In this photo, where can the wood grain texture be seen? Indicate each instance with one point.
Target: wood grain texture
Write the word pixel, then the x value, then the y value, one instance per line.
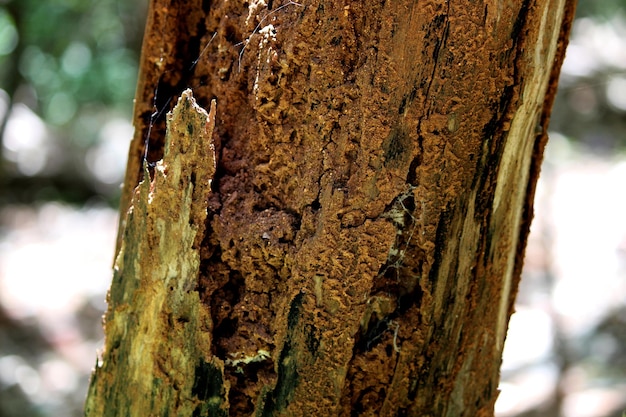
pixel 157 330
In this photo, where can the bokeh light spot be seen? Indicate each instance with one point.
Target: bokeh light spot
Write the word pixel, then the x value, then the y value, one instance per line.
pixel 76 59
pixel 61 108
pixel 8 33
pixel 616 92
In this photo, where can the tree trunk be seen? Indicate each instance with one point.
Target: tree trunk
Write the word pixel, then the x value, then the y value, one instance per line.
pixel 343 233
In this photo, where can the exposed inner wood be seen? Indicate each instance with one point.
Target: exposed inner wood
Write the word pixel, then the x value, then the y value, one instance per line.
pixel 375 171
pixel 158 333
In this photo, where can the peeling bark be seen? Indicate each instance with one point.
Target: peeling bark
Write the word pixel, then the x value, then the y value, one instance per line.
pixel 359 248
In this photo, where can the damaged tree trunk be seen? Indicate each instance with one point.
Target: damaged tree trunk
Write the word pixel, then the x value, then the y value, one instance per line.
pixel 342 234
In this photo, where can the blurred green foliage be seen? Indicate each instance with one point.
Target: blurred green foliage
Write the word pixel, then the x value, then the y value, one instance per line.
pixel 74 63
pixel 599 9
pixel 73 53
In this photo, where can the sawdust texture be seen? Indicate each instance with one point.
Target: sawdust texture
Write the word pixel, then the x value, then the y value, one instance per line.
pixel 353 259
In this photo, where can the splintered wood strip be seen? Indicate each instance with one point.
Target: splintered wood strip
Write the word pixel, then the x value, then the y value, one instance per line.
pixel 157 331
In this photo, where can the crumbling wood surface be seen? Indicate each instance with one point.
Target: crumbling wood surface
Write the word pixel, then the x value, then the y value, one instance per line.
pixel 358 247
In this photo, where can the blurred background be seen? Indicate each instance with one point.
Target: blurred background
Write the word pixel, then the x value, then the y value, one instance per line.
pixel 68 70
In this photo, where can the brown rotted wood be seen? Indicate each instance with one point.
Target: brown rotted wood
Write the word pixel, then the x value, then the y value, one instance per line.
pixel 376 164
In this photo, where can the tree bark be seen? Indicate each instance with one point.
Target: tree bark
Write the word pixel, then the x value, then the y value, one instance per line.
pixel 343 233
